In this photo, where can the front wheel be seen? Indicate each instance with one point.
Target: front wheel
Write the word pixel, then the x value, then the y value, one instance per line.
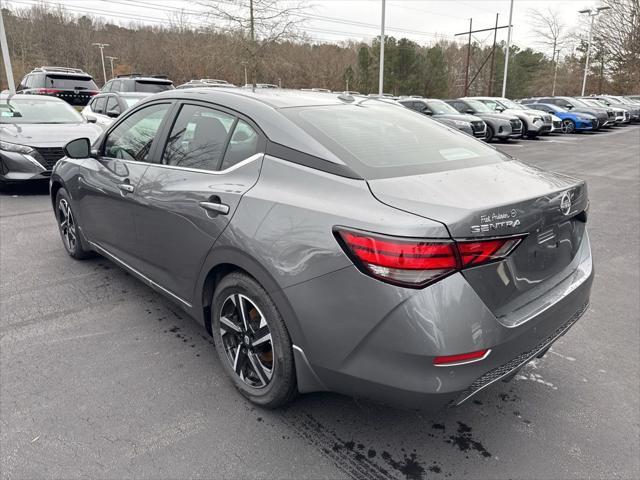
pixel 252 341
pixel 568 126
pixel 488 134
pixel 68 227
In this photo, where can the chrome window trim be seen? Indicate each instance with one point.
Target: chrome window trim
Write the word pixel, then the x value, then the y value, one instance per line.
pixel 139 274
pixel 238 165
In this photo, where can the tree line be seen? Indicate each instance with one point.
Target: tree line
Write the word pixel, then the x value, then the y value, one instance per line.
pixel 41 35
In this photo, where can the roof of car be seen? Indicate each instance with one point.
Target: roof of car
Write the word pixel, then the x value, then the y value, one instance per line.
pixel 273 97
pixel 14 96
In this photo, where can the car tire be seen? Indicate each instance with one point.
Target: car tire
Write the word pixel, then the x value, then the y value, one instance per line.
pixel 70 232
pixel 489 134
pixel 252 341
pixel 568 126
pixel 531 135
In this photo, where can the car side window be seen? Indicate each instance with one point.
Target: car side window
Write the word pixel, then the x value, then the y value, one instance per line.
pixel 243 144
pixel 107 86
pixel 112 105
pixel 99 104
pixel 133 137
pixel 198 138
pixel 490 103
pixel 115 85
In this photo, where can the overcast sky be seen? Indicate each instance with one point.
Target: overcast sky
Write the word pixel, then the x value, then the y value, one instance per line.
pixel 420 20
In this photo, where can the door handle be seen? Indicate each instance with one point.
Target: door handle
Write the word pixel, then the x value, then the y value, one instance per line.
pixel 215 207
pixel 126 187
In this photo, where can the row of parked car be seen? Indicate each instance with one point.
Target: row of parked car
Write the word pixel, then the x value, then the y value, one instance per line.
pixel 70 104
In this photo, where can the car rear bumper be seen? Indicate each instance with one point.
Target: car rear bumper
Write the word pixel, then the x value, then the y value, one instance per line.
pixel 383 348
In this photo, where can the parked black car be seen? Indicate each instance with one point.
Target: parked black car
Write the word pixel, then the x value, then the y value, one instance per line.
pixel 499 125
pixel 72 85
pixel 440 110
pixel 136 82
pixel 606 117
pixel 621 103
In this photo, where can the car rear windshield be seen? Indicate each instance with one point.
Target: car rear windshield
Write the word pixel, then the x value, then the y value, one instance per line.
pixel 148 86
pixel 33 110
pixel 379 140
pixel 65 82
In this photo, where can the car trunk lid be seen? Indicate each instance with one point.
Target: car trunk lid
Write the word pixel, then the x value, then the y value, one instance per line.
pixel 502 199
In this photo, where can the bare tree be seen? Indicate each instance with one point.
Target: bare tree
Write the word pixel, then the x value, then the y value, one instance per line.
pixel 618 28
pixel 258 23
pixel 549 30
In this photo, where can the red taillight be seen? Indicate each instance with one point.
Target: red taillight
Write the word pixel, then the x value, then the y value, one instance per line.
pixel 477 252
pixel 48 91
pixel 417 262
pixel 461 358
pixel 91 93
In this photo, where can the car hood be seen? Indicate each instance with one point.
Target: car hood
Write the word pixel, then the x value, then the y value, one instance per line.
pixel 596 112
pixel 47 135
pixel 496 116
pixel 462 116
pixel 528 113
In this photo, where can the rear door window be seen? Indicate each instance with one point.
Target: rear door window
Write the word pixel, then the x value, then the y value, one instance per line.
pixel 132 138
pixel 112 105
pixel 244 143
pixel 198 138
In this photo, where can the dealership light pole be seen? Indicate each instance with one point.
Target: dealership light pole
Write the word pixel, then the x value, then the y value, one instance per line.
pixel 5 55
pixel 381 76
pixel 101 47
pixel 506 55
pixel 593 14
pixel 111 59
pixel 555 72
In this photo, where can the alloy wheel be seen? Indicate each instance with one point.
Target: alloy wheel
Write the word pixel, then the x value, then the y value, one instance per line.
pixel 67 225
pixel 247 341
pixel 567 126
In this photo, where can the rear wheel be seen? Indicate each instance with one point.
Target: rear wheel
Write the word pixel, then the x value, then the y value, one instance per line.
pixel 252 341
pixel 68 227
pixel 568 126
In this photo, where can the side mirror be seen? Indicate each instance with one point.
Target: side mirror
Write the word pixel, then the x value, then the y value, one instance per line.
pixel 78 148
pixel 568 106
pixel 499 108
pixel 469 111
pixel 426 111
pixel 113 113
pixel 91 119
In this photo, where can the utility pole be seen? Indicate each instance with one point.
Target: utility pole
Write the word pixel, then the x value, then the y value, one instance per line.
pixel 101 47
pixel 555 73
pixel 381 75
pixel 493 57
pixel 252 36
pixel 467 82
pixel 5 55
pixel 506 55
pixel 466 74
pixel 593 14
pixel 111 59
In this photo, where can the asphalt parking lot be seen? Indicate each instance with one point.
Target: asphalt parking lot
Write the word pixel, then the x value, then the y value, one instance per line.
pixel 101 377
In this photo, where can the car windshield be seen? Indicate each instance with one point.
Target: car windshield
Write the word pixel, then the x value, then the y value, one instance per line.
pixel 66 82
pixel 439 107
pixel 579 103
pixel 478 106
pixel 510 104
pixel 378 140
pixel 131 101
pixel 28 109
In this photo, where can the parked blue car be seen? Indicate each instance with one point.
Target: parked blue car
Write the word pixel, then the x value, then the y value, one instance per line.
pixel 571 121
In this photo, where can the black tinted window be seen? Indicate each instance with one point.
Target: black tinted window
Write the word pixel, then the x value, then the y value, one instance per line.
pixel 152 87
pixel 243 144
pixel 198 138
pixel 65 82
pixel 132 139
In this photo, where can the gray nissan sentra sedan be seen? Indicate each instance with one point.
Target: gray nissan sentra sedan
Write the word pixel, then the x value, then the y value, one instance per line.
pixel 329 242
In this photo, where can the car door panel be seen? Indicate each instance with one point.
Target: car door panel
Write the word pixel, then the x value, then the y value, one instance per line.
pixel 176 232
pixel 108 188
